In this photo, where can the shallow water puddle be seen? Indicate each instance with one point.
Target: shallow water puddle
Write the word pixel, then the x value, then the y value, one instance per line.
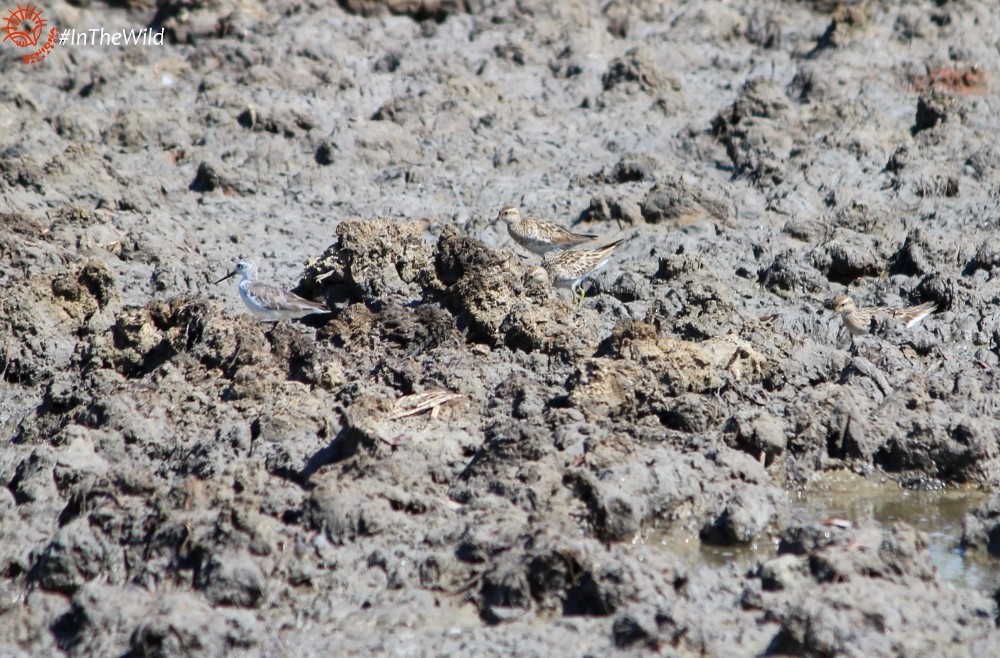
pixel 859 500
pixel 938 513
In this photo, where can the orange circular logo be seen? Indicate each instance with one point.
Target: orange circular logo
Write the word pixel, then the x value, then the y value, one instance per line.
pixel 24 26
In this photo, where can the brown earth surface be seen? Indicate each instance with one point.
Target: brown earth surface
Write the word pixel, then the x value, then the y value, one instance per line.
pixel 457 460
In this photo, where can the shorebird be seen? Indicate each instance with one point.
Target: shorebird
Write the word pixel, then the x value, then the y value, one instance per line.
pixel 268 302
pixel 569 269
pixel 538 235
pixel 859 320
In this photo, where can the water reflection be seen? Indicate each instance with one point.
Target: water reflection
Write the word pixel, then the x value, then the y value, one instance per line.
pixel 938 513
pixel 862 500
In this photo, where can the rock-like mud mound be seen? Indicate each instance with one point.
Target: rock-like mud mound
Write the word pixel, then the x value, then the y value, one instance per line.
pixel 457 459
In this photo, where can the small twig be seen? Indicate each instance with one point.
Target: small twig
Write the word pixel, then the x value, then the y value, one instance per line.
pixel 411 405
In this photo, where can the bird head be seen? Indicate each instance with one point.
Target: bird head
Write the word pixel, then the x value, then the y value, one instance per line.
pixel 508 214
pixel 843 304
pixel 245 268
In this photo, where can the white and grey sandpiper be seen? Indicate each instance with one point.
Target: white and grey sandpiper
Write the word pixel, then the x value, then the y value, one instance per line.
pixel 538 235
pixel 569 269
pixel 858 320
pixel 268 302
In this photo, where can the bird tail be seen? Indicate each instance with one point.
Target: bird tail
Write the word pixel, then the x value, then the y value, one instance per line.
pixel 915 314
pixel 610 246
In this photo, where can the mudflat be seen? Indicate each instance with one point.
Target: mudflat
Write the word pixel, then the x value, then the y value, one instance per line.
pixel 457 459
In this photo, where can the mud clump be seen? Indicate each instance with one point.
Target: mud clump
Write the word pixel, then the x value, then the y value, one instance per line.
pixel 871 565
pixel 88 288
pixel 981 527
pixel 635 71
pixel 378 261
pixel 480 282
pixel 750 132
pixel 436 10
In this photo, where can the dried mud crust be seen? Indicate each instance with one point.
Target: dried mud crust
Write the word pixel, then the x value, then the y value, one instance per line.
pixel 185 445
pixel 457 459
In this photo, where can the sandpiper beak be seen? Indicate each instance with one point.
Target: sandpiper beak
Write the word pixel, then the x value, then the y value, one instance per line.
pixel 231 274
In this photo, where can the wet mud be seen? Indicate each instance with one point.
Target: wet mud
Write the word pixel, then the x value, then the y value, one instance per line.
pixel 457 459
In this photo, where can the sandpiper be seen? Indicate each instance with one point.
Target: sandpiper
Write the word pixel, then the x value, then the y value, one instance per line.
pixel 538 235
pixel 267 302
pixel 569 269
pixel 858 320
